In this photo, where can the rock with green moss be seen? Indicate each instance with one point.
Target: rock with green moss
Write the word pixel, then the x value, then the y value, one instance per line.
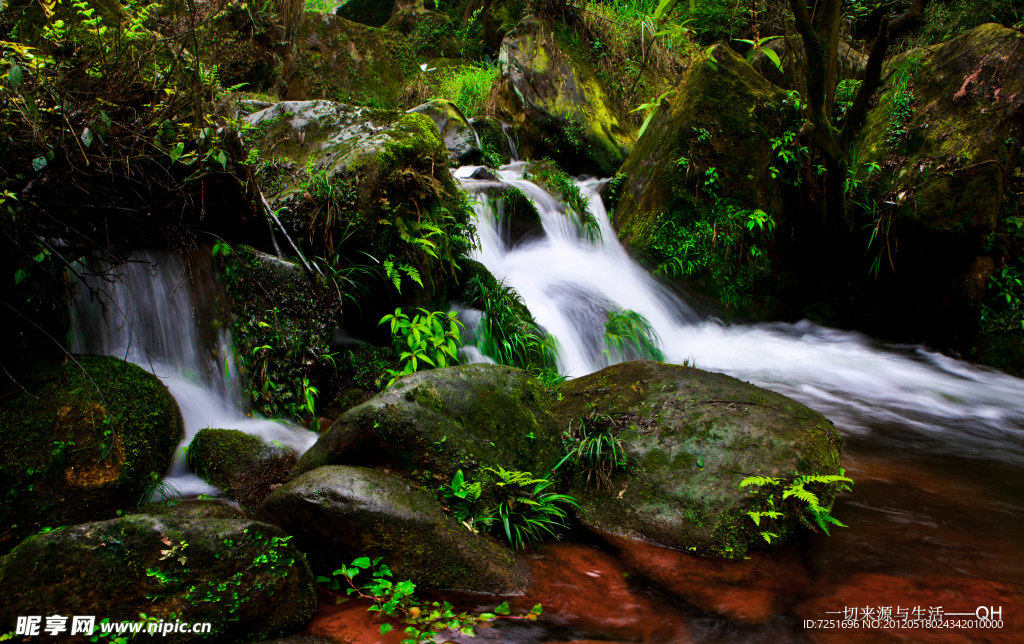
pixel 723 117
pixel 690 438
pixel 351 182
pixel 458 135
pixel 338 513
pixel 281 324
pixel 341 60
pixel 368 12
pixel 241 465
pixel 432 34
pixel 243 577
pixel 945 136
pixel 557 103
pixel 81 440
pixel 434 423
pixel 194 509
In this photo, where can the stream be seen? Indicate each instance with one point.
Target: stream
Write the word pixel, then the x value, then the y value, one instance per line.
pixel 935 446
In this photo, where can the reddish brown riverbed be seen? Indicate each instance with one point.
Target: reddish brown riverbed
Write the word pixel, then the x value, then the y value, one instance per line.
pixel 932 532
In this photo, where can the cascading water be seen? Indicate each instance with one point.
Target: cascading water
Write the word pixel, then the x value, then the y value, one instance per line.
pixel 146 313
pixel 570 283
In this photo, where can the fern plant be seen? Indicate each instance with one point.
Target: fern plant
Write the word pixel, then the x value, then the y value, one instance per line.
pixel 527 511
pixel 797 490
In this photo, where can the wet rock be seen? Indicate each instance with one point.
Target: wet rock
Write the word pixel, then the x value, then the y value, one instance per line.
pixel 368 12
pixel 443 420
pixel 722 118
pixel 493 141
pixel 242 466
pixel 338 513
pixel 82 439
pixel 558 105
pixel 194 509
pixel 243 577
pixel 458 135
pixel 691 436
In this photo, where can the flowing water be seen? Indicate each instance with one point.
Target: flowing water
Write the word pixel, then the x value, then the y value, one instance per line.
pixel 935 445
pixel 148 313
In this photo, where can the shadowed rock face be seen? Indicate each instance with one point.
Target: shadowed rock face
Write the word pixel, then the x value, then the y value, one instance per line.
pixel 691 437
pixel 339 513
pixel 368 12
pixel 243 577
pixel 558 104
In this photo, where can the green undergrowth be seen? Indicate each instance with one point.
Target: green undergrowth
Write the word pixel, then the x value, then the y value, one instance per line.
pixel 810 497
pixel 466 85
pixel 549 176
pixel 508 334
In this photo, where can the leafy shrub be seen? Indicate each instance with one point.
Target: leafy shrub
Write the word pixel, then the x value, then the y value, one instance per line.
pixel 629 336
pixel 432 338
pixel 526 511
pixel 780 495
pixel 508 333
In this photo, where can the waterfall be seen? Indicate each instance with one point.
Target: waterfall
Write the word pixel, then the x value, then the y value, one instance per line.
pixel 156 312
pixel 894 396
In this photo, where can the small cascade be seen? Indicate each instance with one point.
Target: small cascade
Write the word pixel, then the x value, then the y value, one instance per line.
pixel 148 312
pixel 505 127
pixel 570 283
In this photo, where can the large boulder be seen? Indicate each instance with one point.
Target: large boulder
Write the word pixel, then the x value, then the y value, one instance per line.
pixel 281 326
pixel 241 465
pixel 338 513
pixel 81 440
pixel 690 438
pixel 437 422
pixel 243 577
pixel 349 180
pixel 368 12
pixel 458 134
pixel 341 60
pixel 557 103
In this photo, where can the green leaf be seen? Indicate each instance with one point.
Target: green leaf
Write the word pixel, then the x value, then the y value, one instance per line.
pixel 772 56
pixel 14 76
pixel 362 562
pixel 177 151
pixel 386 628
pixel 38 163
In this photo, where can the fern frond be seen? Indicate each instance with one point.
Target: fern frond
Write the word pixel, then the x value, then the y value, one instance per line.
pixel 758 480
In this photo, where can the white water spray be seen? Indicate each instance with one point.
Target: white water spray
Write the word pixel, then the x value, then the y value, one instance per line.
pixel 569 283
pixel 146 314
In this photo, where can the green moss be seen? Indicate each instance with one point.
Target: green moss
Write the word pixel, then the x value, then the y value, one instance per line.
pixel 79 446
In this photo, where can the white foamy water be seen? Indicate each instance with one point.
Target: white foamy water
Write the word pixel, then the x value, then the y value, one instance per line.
pixel 147 315
pixel 900 396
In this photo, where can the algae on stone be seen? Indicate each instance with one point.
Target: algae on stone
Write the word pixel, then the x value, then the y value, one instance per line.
pixel 691 437
pixel 241 465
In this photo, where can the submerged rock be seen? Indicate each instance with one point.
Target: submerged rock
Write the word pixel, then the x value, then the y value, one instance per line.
pixel 691 437
pixel 558 104
pixel 458 135
pixel 81 440
pixel 338 513
pixel 444 420
pixel 243 577
pixel 241 465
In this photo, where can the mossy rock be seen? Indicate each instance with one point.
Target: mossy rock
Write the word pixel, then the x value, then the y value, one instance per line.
pixel 194 509
pixel 492 137
pixel 340 60
pixel 431 424
pixel 459 137
pixel 431 34
pixel 243 577
pixel 950 169
pixel 517 217
pixel 557 103
pixel 80 446
pixel 241 465
pixel 739 111
pixel 281 328
pixel 691 437
pixel 338 513
pixel 351 180
pixel 368 12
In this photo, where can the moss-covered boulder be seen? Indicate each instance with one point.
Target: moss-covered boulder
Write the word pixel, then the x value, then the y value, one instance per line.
pixel 458 135
pixel 338 513
pixel 690 438
pixel 723 117
pixel 557 103
pixel 368 12
pixel 433 423
pixel 350 180
pixel 281 324
pixel 341 60
pixel 946 134
pixel 80 440
pixel 241 465
pixel 243 577
pixel 194 509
